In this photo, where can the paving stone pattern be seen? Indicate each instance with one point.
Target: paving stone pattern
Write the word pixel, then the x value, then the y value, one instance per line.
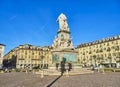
pixel 90 80
pixel 86 80
pixel 24 80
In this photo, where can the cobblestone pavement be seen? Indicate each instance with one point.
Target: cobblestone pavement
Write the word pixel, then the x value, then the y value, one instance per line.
pixel 33 80
pixel 90 80
pixel 24 80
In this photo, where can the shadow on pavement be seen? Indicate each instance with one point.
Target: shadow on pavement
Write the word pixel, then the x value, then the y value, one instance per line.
pixel 49 85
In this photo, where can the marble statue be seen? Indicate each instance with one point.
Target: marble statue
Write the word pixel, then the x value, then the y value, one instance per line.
pixel 62 22
pixel 63 40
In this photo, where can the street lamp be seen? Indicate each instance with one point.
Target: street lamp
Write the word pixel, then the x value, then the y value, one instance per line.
pixel 30 64
pixel 42 67
pixel 110 60
pixel 41 60
pixel 94 57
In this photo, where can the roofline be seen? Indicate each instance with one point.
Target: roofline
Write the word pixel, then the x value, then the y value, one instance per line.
pixel 2 44
pixel 99 41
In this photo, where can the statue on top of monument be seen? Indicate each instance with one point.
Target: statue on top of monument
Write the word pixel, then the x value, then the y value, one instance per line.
pixel 62 19
pixel 63 40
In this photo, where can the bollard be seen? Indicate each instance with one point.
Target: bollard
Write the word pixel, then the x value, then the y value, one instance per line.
pixel 42 74
pixel 33 71
pixel 114 70
pixel 67 73
pixel 103 72
pixel 26 71
pixel 98 69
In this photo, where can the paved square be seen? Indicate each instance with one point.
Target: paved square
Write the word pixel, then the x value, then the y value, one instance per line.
pixel 90 80
pixel 24 80
pixel 33 80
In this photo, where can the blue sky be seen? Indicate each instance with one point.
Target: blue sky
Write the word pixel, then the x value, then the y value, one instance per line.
pixel 34 21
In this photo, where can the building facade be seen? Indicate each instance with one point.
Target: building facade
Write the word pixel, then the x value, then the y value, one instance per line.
pixel 28 56
pixel 1 54
pixel 106 51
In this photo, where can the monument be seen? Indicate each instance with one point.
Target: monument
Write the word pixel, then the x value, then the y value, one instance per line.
pixel 62 45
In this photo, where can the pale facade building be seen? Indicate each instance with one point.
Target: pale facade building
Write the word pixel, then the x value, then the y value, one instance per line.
pixel 28 55
pixel 1 54
pixel 106 51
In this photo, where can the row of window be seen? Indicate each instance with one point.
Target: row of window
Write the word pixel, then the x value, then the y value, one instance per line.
pixel 116 48
pixel 25 56
pixel 104 44
pixel 104 55
pixel 32 52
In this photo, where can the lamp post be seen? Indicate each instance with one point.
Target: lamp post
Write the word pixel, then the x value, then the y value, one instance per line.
pixel 42 67
pixel 30 64
pixel 110 60
pixel 94 57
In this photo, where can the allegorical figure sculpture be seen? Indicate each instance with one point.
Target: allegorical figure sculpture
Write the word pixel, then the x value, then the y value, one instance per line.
pixel 62 20
pixel 63 40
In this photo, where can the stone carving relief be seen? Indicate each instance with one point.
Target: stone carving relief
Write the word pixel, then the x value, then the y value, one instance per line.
pixel 64 44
